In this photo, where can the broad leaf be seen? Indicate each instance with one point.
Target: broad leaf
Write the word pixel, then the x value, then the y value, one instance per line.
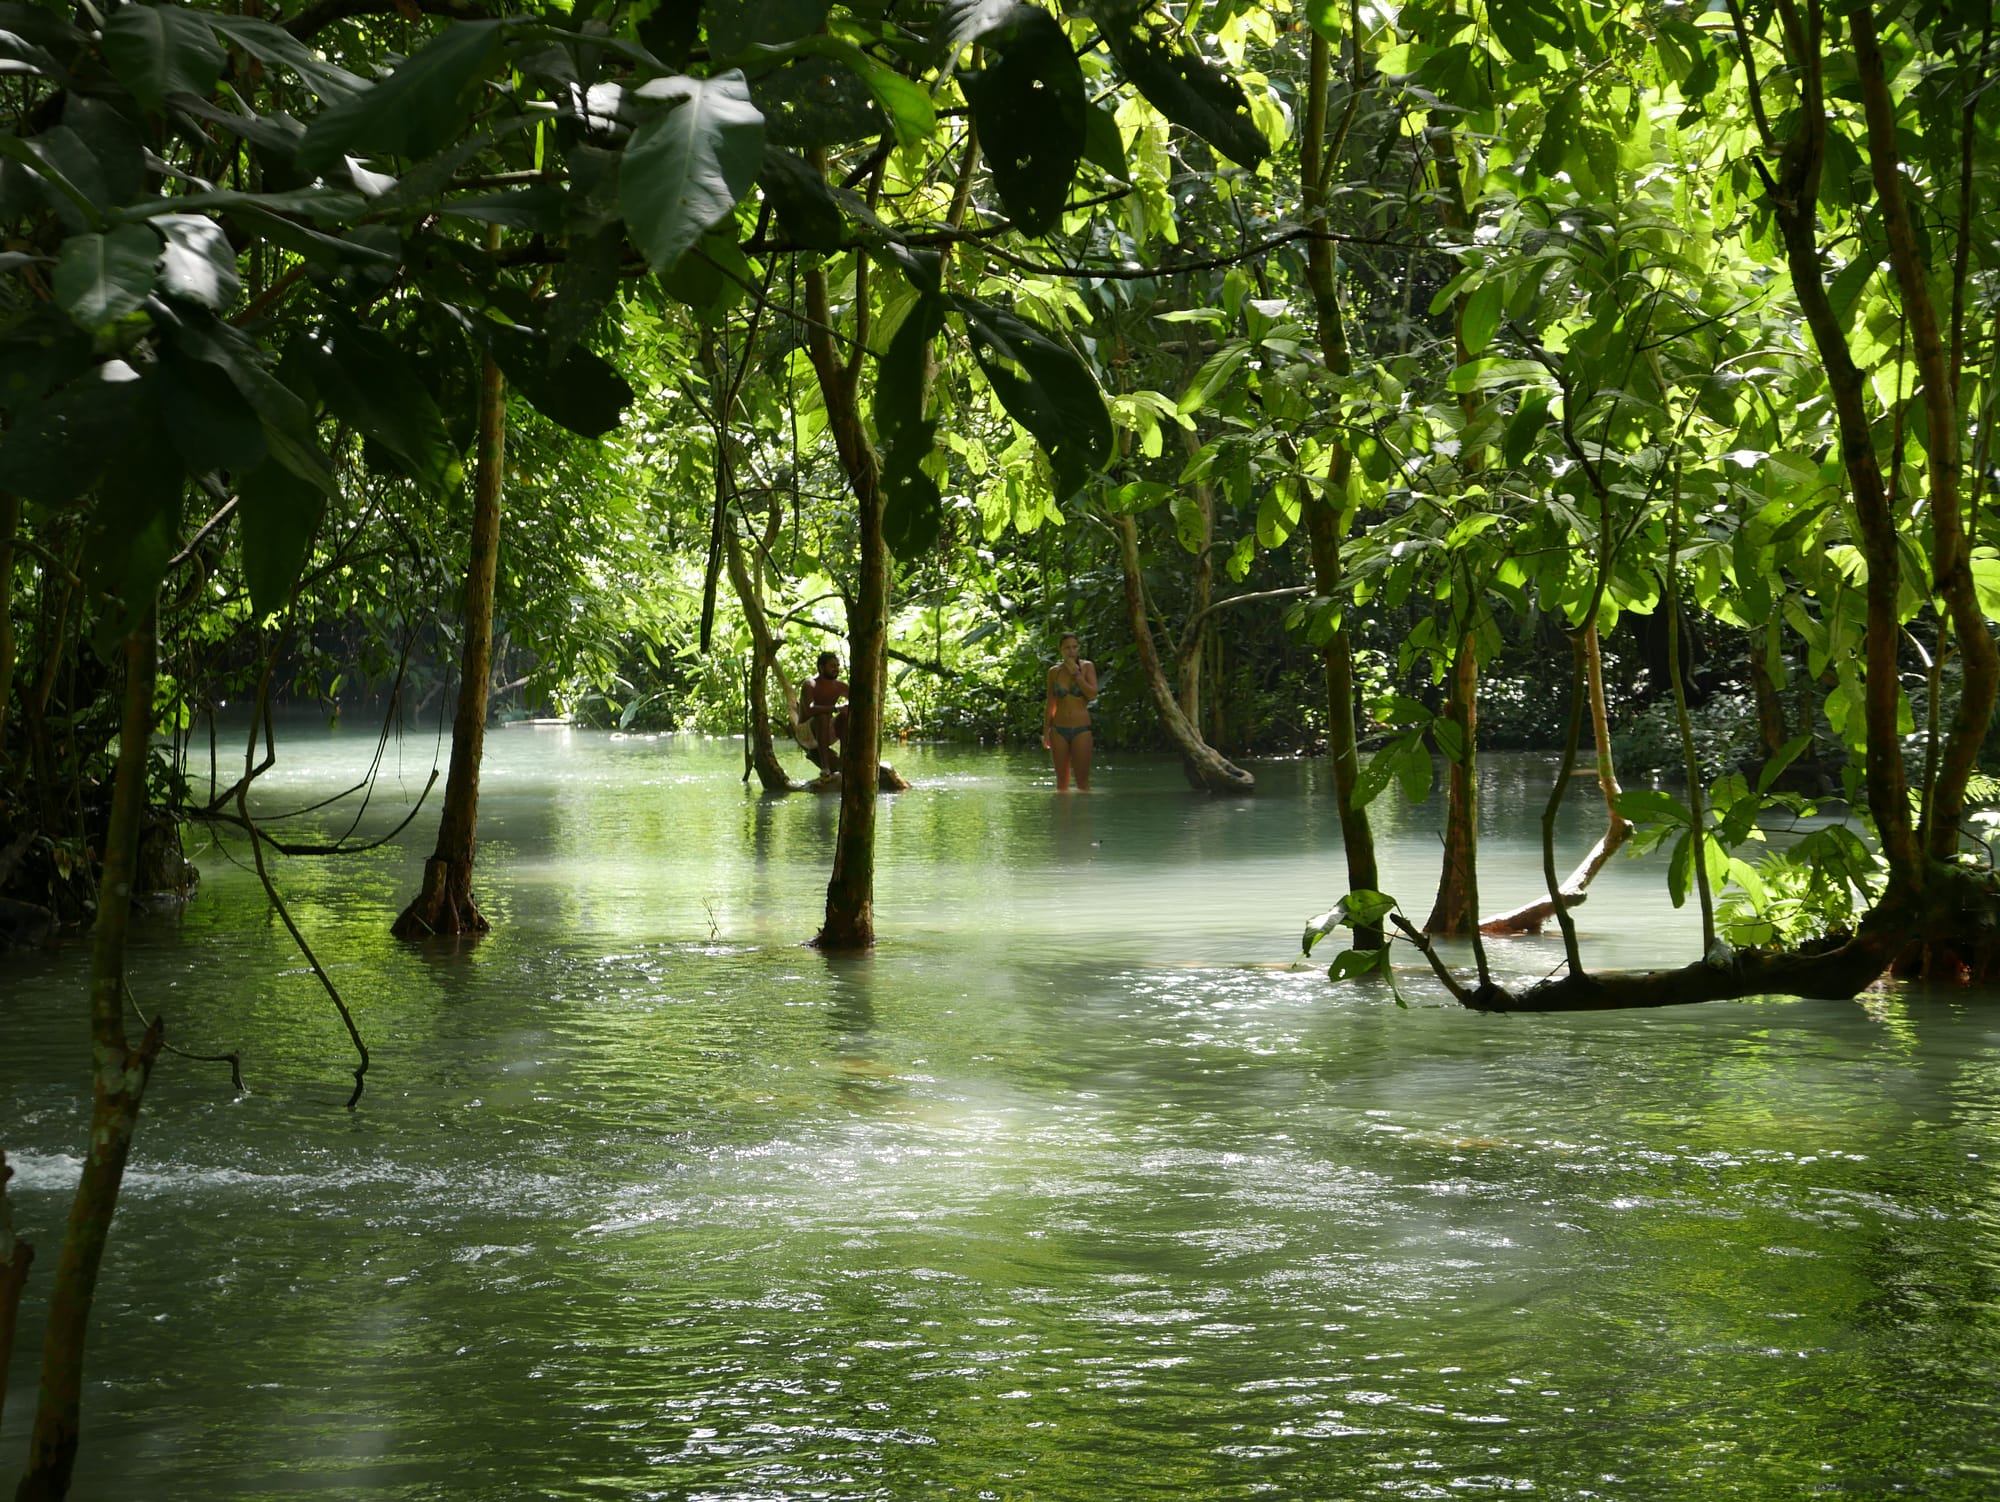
pixel 56 448
pixel 807 211
pixel 1353 963
pixel 288 423
pixel 211 424
pixel 366 380
pixel 275 47
pixel 912 508
pixel 1481 318
pixel 281 515
pixel 418 109
pixel 1185 87
pixel 736 24
pixel 685 169
pixel 199 263
pixel 1045 388
pixel 1029 106
pixel 137 523
pixel 158 51
pixel 100 279
pixel 1649 806
pixel 581 391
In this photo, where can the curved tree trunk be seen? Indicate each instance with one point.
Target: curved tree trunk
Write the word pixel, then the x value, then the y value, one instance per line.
pixel 1325 511
pixel 763 658
pixel 850 892
pixel 118 1083
pixel 1528 919
pixel 445 904
pixel 1207 770
pixel 1456 910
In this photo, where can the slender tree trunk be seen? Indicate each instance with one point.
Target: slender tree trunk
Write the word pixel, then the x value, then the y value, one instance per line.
pixel 1326 512
pixel 15 1257
pixel 850 893
pixel 1530 917
pixel 1456 910
pixel 1194 637
pixel 118 1077
pixel 1206 769
pixel 1771 732
pixel 445 905
pixel 10 523
pixel 763 656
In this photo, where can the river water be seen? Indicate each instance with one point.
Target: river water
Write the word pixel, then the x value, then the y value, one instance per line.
pixel 1072 1188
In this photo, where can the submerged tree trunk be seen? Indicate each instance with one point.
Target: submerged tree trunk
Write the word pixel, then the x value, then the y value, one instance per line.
pixel 445 904
pixel 1326 511
pixel 1207 770
pixel 850 893
pixel 1530 917
pixel 763 657
pixel 118 1077
pixel 1456 910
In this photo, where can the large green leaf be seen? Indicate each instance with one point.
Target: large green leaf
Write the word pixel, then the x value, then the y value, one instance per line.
pixel 1185 87
pixel 57 447
pixel 199 264
pixel 158 51
pixel 685 169
pixel 281 515
pixel 416 110
pixel 581 391
pixel 1029 106
pixel 275 47
pixel 136 525
pixel 100 279
pixel 1045 388
pixel 212 426
pixel 807 211
pixel 287 421
pixel 912 508
pixel 366 381
pixel 711 279
pixel 736 24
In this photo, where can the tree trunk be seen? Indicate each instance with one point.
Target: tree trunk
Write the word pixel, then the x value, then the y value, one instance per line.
pixel 1771 732
pixel 1529 918
pixel 1206 769
pixel 1194 636
pixel 119 1074
pixel 445 904
pixel 850 893
pixel 15 1257
pixel 10 523
pixel 763 657
pixel 1456 910
pixel 1325 512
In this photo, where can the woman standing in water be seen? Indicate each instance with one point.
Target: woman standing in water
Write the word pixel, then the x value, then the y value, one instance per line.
pixel 1066 715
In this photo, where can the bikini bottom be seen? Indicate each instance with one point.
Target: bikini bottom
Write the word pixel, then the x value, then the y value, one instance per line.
pixel 1070 732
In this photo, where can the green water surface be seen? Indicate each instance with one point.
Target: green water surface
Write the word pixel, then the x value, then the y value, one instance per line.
pixel 1071 1190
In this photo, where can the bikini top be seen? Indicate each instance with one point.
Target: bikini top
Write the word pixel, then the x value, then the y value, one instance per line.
pixel 1060 689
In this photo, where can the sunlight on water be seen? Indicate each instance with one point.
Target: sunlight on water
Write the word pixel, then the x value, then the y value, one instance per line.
pixel 1077 1185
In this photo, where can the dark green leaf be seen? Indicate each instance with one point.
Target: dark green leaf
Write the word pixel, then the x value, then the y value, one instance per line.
pixel 912 509
pixel 711 279
pixel 1680 866
pixel 962 21
pixel 538 209
pixel 100 279
pixel 1186 88
pixel 277 48
pixel 114 144
pixel 1028 103
pixel 669 31
pixel 158 51
pixel 288 423
pixel 1351 964
pixel 581 391
pixel 685 169
pixel 41 352
pixel 1775 767
pixel 418 109
pixel 1104 142
pixel 212 426
pixel 1525 428
pixel 1045 388
pixel 57 447
pixel 807 211
pixel 1649 806
pixel 584 287
pixel 736 24
pixel 367 381
pixel 281 515
pixel 136 526
pixel 1481 318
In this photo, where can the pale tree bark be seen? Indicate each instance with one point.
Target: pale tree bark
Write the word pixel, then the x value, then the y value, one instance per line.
pixel 445 905
pixel 1206 769
pixel 118 1083
pixel 1326 512
pixel 1530 917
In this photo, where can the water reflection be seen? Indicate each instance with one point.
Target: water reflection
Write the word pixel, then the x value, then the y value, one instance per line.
pixel 1074 1179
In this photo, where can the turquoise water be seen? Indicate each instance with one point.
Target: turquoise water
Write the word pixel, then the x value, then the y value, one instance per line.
pixel 1073 1188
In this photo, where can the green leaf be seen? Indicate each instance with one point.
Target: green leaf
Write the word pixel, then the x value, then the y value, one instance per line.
pixel 711 279
pixel 367 381
pixel 1104 142
pixel 100 279
pixel 1351 964
pixel 807 211
pixel 158 51
pixel 211 424
pixel 582 391
pixel 1775 767
pixel 277 48
pixel 281 515
pixel 1029 106
pixel 734 25
pixel 1325 17
pixel 1185 87
pixel 1680 866
pixel 288 423
pixel 684 170
pixel 1650 806
pixel 906 102
pixel 56 448
pixel 137 523
pixel 912 507
pixel 1486 374
pixel 199 264
pixel 1045 388
pixel 1414 770
pixel 1366 908
pixel 539 209
pixel 1481 318
pixel 418 109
